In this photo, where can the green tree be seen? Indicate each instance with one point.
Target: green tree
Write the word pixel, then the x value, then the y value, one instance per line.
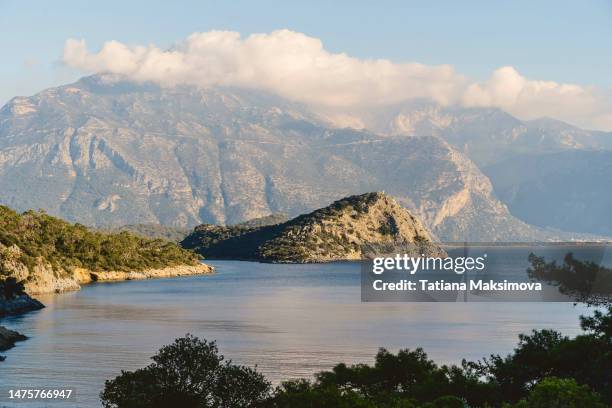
pixel 303 394
pixel 560 393
pixel 190 373
pixel 587 358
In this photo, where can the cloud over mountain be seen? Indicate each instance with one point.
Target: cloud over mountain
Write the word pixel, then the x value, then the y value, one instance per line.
pixel 298 67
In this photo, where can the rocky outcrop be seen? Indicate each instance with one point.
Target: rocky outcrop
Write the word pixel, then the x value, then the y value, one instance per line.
pixel 169 272
pixel 18 305
pixel 348 229
pixel 8 338
pixel 43 278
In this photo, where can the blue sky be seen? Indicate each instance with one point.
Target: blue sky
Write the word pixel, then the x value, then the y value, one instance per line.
pixel 548 40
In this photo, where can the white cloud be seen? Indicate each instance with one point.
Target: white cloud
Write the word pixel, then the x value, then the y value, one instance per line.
pixel 528 99
pixel 298 67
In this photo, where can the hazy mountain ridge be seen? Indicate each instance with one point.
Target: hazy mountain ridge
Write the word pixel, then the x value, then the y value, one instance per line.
pixel 487 135
pixel 570 188
pixel 111 153
pixel 549 173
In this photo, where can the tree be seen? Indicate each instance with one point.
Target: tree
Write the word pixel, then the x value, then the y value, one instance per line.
pixel 584 281
pixel 560 393
pixel 189 373
pixel 303 394
pixel 587 359
pixel 408 379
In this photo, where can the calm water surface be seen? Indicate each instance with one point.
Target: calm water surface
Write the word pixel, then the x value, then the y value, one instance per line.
pixel 289 320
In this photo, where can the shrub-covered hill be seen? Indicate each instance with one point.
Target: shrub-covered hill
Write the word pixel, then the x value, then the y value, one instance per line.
pixel 344 230
pixel 153 231
pixel 33 244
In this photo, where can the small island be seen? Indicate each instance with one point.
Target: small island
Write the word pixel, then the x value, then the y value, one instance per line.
pixel 352 228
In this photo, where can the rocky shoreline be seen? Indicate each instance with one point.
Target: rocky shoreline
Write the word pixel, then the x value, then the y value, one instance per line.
pixel 48 282
pixel 8 338
pixel 18 305
pixel 10 307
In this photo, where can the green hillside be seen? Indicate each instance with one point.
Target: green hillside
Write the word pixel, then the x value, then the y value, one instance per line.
pixel 32 236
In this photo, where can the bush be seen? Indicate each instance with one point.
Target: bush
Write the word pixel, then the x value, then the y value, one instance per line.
pixel 587 358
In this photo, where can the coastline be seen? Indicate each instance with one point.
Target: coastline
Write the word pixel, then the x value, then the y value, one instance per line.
pixel 46 283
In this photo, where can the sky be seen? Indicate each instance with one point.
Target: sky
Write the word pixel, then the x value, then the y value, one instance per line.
pixel 546 58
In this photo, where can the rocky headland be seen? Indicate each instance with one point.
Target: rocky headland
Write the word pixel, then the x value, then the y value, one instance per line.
pixel 348 229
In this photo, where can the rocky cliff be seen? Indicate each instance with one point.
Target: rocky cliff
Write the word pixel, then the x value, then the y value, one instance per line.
pixel 344 230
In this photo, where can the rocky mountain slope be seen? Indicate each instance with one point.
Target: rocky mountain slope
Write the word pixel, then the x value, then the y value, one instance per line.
pixel 112 153
pixel 549 173
pixel 51 255
pixel 344 230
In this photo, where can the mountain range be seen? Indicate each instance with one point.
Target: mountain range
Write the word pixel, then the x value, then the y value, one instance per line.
pixel 106 152
pixel 548 173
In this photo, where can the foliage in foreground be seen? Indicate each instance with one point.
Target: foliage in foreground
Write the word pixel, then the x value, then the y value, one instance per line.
pixel 188 373
pixel 558 392
pixel 546 369
pixel 66 245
